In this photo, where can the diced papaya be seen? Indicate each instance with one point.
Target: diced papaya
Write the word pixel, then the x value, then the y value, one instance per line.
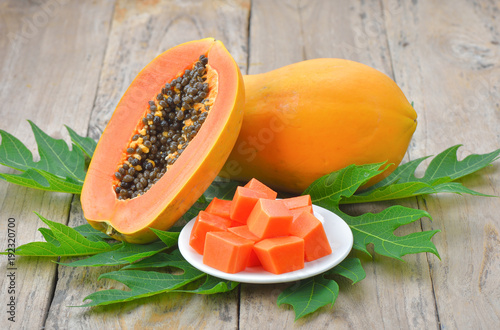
pixel 243 231
pixel 269 218
pixel 204 223
pixel 296 202
pixel 227 251
pixel 298 211
pixel 256 185
pixel 243 202
pixel 280 255
pixel 219 207
pixel 308 227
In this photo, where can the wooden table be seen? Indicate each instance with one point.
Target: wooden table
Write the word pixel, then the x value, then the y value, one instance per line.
pixel 69 62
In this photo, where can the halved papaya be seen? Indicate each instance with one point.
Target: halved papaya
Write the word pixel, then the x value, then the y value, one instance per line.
pixel 167 140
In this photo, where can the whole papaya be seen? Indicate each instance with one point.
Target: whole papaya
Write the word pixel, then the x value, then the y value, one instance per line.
pixel 311 118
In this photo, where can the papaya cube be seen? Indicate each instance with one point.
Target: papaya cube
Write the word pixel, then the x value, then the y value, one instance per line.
pixel 219 207
pixel 256 185
pixel 308 227
pixel 227 251
pixel 243 231
pixel 298 211
pixel 280 255
pixel 269 218
pixel 296 202
pixel 204 223
pixel 243 202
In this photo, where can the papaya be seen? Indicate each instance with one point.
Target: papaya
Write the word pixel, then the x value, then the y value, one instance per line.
pixel 166 141
pixel 311 118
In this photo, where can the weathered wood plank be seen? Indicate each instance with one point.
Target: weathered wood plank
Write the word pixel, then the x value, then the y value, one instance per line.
pixel 447 58
pixel 50 61
pixel 394 294
pixel 141 31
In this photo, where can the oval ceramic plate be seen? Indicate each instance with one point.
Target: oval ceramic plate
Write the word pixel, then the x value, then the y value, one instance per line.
pixel 339 236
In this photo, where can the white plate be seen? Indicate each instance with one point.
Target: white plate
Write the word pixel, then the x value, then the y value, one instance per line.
pixel 339 236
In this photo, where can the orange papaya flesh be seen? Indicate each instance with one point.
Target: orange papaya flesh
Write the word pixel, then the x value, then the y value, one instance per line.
pixel 298 211
pixel 227 251
pixel 269 218
pixel 243 231
pixel 280 255
pixel 297 202
pixel 181 185
pixel 309 228
pixel 219 207
pixel 204 223
pixel 256 185
pixel 244 200
pixel 311 118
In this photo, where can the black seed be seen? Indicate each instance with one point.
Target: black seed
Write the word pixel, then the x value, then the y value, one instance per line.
pixel 118 175
pixel 128 178
pixel 131 171
pixel 177 99
pixel 153 108
pixel 130 150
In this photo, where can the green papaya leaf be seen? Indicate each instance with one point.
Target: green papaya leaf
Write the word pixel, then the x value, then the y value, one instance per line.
pixel 331 188
pixel 349 268
pixel 307 296
pixel 59 168
pixel 211 285
pixel 378 229
pixel 443 169
pixel 145 283
pixel 62 240
pixel 86 144
pixel 126 254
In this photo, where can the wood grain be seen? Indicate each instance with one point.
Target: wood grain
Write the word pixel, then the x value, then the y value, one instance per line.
pixel 447 58
pixel 140 31
pixel 50 62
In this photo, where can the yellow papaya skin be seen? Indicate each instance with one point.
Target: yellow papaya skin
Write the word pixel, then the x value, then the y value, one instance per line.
pixel 311 118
